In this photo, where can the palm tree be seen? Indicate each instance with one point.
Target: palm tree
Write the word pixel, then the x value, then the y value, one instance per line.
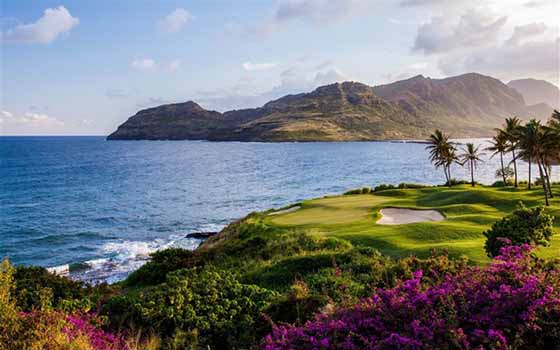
pixel 512 135
pixel 498 145
pixel 471 156
pixel 551 146
pixel 442 153
pixel 532 144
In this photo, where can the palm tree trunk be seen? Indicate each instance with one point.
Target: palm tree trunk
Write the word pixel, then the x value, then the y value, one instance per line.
pixel 446 176
pixel 529 184
pixel 503 169
pixel 514 166
pixel 449 173
pixel 543 183
pixel 472 174
pixel 547 169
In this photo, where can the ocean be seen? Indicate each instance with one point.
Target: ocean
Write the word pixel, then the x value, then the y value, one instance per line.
pixel 99 208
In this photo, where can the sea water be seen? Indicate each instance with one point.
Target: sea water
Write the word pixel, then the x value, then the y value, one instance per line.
pixel 97 208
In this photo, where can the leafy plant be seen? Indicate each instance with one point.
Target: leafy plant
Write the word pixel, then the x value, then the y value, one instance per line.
pixel 523 226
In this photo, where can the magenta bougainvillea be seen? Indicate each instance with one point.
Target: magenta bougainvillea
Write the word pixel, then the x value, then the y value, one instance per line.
pixel 89 326
pixel 514 303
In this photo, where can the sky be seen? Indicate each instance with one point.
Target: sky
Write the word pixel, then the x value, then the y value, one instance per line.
pixel 74 67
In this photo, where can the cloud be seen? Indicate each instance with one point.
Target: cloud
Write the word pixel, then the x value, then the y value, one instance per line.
pixel 412 3
pixel 175 21
pixel 318 11
pixel 143 64
pixel 474 29
pixel 526 31
pixel 534 58
pixel 294 80
pixel 174 65
pixel 54 22
pixel 250 66
pixel 29 121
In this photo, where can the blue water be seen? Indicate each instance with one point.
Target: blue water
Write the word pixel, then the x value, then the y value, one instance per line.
pixel 108 204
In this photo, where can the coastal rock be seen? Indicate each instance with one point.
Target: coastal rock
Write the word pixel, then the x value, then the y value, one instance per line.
pixel 201 235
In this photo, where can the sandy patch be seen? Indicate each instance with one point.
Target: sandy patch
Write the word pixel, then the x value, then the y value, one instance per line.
pixel 398 216
pixel 285 211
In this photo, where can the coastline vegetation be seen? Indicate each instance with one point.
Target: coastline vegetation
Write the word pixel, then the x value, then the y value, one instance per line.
pixel 326 275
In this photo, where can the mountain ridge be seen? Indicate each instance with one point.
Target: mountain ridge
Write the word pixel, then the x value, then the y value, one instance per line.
pixel 469 105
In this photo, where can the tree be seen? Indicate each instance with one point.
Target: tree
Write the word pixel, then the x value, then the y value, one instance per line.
pixel 442 153
pixel 511 132
pixel 532 148
pixel 471 156
pixel 499 145
pixel 523 226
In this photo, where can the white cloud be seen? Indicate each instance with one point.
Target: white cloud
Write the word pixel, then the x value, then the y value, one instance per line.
pixel 318 11
pixel 526 31
pixel 443 34
pixel 538 59
pixel 293 80
pixel 174 65
pixel 250 66
pixel 175 21
pixel 143 64
pixel 55 21
pixel 29 123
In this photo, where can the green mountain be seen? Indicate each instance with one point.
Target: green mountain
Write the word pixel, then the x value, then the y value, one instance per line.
pixel 469 105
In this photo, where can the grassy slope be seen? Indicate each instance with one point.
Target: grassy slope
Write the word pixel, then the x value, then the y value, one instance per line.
pixel 468 212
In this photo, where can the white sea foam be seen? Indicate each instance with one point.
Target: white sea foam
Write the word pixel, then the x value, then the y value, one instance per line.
pixel 121 257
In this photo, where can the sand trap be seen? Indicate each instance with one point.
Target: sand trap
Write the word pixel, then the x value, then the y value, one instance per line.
pixel 285 211
pixel 397 216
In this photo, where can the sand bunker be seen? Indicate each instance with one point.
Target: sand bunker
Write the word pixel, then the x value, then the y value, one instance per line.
pixel 398 216
pixel 285 211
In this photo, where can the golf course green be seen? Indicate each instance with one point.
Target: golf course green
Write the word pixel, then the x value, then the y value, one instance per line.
pixel 468 213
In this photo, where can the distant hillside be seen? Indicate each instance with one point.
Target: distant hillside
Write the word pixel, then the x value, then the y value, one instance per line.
pixel 537 91
pixel 469 105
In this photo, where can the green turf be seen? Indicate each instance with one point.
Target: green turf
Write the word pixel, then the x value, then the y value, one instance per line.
pixel 468 211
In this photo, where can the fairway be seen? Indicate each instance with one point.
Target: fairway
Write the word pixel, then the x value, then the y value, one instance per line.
pixel 468 213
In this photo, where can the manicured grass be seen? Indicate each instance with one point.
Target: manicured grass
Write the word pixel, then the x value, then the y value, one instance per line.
pixel 468 211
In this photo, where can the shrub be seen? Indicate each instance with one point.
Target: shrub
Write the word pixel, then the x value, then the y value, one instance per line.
pixel 363 190
pixel 205 307
pixel 512 304
pixel 508 173
pixel 161 263
pixel 524 225
pixel 30 281
pixel 384 187
pixel 44 328
pixel 455 182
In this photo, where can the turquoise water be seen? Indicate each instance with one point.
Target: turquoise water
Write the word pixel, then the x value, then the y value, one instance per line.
pixel 103 206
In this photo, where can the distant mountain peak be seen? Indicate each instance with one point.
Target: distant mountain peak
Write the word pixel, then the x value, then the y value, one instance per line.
pixel 469 105
pixel 537 91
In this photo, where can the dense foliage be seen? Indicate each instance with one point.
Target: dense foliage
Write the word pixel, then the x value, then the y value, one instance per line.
pixel 196 308
pixel 524 225
pixel 512 304
pixel 46 328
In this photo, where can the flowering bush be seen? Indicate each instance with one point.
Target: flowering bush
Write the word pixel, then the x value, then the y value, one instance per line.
pixel 514 303
pixel 44 328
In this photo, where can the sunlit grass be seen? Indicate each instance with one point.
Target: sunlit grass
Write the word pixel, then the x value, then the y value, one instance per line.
pixel 468 211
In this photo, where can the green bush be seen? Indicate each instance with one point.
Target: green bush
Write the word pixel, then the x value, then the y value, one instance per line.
pixel 208 307
pixel 384 187
pixel 363 190
pixel 524 225
pixel 162 262
pixel 31 281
